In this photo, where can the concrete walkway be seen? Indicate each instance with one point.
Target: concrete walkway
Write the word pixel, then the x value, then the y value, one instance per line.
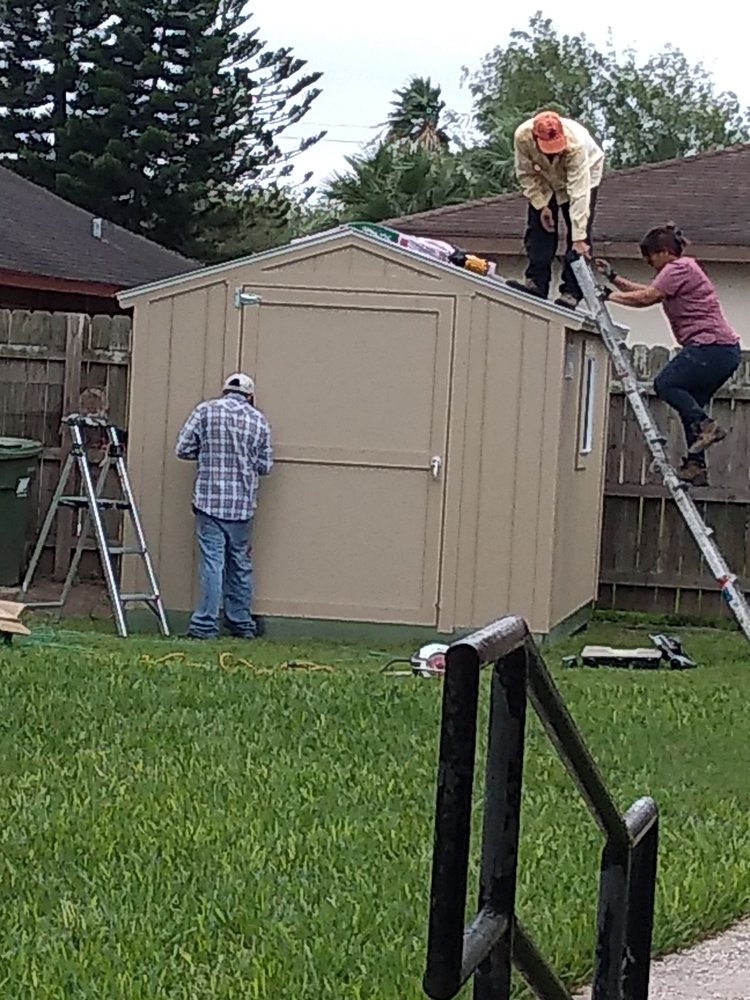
pixel 715 969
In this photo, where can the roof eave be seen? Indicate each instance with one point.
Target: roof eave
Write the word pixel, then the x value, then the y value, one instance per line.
pixel 54 283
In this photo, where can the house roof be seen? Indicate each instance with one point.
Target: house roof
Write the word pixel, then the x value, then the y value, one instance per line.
pixel 707 195
pixel 342 236
pixel 48 237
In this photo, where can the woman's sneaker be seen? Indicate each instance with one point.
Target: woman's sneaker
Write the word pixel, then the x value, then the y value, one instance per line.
pixel 693 472
pixel 709 433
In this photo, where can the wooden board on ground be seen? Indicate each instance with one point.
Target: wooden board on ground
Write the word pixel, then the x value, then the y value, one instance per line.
pixel 608 654
pixel 10 613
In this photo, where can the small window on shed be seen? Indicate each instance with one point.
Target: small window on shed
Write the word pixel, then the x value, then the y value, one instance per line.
pixel 587 406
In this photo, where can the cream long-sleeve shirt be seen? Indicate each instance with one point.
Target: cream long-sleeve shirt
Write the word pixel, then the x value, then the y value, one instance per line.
pixel 570 176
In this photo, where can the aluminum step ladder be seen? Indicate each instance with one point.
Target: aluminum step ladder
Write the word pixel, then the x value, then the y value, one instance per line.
pixel 613 337
pixel 94 505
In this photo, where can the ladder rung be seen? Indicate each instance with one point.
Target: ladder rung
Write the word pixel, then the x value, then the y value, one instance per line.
pixel 124 550
pixel 127 598
pixel 103 502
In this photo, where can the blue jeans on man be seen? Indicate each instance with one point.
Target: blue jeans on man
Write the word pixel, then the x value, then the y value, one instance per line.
pixel 688 382
pixel 226 577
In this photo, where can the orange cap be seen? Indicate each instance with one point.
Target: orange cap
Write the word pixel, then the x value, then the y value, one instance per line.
pixel 548 132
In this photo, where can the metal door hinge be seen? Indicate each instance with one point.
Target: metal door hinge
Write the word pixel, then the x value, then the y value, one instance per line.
pixel 435 465
pixel 243 298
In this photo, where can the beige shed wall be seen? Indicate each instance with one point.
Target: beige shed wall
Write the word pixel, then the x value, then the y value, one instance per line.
pixel 506 458
pixel 184 344
pixel 580 480
pixel 500 512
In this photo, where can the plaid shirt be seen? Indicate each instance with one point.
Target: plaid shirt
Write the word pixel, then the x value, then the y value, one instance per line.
pixel 231 442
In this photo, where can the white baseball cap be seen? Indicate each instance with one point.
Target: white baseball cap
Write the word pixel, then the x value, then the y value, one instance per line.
pixel 239 382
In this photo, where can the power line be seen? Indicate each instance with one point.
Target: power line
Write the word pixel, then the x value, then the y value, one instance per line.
pixel 342 125
pixel 299 138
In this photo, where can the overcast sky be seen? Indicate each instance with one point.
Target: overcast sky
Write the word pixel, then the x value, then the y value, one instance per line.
pixel 365 51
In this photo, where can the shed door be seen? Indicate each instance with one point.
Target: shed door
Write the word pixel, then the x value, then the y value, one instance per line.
pixel 356 388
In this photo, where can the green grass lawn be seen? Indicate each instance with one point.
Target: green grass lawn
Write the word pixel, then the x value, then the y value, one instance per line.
pixel 179 830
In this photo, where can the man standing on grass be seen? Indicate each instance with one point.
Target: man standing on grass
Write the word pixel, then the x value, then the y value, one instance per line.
pixel 231 441
pixel 559 167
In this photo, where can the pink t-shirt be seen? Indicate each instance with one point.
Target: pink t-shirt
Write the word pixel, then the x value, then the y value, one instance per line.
pixel 691 304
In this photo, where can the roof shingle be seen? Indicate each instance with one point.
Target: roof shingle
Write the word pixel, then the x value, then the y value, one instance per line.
pixel 707 195
pixel 47 236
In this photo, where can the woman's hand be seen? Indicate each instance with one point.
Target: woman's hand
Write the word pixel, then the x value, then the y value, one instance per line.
pixel 604 267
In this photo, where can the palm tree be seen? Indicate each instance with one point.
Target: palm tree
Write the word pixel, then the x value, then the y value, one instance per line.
pixel 397 180
pixel 415 118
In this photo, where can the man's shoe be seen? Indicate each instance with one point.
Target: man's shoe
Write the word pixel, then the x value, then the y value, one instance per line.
pixel 709 433
pixel 567 300
pixel 241 633
pixel 199 637
pixel 528 286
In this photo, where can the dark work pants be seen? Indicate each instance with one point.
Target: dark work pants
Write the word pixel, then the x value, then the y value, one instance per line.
pixel 691 378
pixel 541 247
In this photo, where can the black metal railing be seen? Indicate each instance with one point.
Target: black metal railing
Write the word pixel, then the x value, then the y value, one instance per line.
pixel 495 940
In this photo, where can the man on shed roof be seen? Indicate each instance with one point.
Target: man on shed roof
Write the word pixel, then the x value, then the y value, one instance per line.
pixel 559 167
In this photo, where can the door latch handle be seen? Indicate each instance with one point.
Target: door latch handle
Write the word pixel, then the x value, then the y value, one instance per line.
pixel 435 466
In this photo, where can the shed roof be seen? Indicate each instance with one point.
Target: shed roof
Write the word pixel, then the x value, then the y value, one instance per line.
pixel 343 236
pixel 47 236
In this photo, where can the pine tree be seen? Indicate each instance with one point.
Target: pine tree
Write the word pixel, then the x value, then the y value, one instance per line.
pixel 40 45
pixel 25 126
pixel 123 153
pixel 179 109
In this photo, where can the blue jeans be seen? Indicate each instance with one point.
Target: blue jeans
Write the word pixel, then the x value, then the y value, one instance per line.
pixel 226 572
pixel 691 378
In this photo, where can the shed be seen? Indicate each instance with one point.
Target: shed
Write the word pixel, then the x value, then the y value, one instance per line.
pixel 439 437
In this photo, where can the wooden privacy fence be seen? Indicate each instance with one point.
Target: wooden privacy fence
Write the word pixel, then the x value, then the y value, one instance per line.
pixel 650 561
pixel 46 361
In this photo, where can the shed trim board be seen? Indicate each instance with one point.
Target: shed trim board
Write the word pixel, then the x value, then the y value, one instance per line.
pixel 478 368
pixel 351 237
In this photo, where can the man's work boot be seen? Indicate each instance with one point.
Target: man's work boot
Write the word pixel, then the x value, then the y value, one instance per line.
pixel 693 472
pixel 567 300
pixel 709 433
pixel 528 286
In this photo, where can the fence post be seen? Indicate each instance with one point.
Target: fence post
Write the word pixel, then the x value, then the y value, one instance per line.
pixel 74 329
pixel 452 822
pixel 611 934
pixel 641 893
pixel 502 817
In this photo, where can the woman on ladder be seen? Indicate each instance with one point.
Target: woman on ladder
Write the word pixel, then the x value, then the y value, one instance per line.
pixel 710 351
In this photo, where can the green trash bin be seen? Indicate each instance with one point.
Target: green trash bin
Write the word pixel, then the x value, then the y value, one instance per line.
pixel 19 461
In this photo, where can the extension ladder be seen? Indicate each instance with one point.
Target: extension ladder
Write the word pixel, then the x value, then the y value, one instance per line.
pixel 94 504
pixel 614 341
